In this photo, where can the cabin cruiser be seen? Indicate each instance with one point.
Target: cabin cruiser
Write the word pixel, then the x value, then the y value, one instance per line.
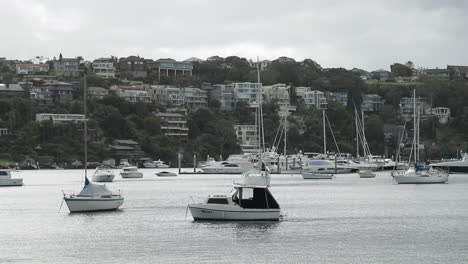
pixel 130 172
pixel 123 163
pixel 249 200
pixel 103 173
pixel 6 180
pixel 421 176
pixel 234 164
pixel 93 197
pixel 453 166
pixel 155 164
pixel 325 166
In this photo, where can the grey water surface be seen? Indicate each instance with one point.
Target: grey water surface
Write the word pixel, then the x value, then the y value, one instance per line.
pixel 344 220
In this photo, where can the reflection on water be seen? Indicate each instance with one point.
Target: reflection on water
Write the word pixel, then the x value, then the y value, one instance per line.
pixel 344 220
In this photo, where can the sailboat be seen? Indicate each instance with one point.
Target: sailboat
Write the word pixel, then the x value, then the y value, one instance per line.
pixel 250 198
pixel 419 174
pixel 93 197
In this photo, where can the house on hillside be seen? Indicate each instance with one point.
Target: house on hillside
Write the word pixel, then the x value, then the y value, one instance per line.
pixel 458 72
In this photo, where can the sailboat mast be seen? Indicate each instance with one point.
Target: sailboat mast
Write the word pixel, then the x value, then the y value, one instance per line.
pixel 414 126
pixel 85 137
pixel 260 119
pixel 285 132
pixel 324 133
pixel 357 132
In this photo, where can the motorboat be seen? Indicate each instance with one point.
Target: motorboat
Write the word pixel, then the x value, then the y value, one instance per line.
pixel 234 164
pixel 6 180
pixel 453 166
pixel 249 200
pixel 313 175
pixel 155 164
pixel 93 197
pixel 103 173
pixel 325 166
pixel 166 174
pixel 130 172
pixel 123 163
pixel 414 176
pixel 366 174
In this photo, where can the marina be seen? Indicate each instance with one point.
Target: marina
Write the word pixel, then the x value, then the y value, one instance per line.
pixel 364 220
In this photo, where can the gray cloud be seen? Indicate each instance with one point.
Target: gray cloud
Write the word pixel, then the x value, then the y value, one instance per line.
pixel 366 34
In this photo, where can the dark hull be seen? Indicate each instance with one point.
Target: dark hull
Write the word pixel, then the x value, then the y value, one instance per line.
pixel 452 169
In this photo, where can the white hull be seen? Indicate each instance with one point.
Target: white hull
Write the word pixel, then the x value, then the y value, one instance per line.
pixel 232 213
pixel 233 170
pixel 11 182
pixel 170 174
pixel 88 204
pixel 366 174
pixel 131 175
pixel 421 179
pixel 103 178
pixel 312 175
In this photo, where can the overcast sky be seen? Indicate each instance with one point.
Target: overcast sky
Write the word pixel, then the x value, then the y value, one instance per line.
pixel 368 34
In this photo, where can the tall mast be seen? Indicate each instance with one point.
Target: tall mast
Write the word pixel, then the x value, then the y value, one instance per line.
pixel 357 132
pixel 414 126
pixel 285 132
pixel 260 118
pixel 324 133
pixel 85 139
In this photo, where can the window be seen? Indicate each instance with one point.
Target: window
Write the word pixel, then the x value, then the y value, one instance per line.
pixel 217 201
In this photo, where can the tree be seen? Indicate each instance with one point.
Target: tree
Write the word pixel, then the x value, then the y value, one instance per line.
pixel 399 69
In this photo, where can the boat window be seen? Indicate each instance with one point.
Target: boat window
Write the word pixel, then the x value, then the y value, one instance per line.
pixel 217 201
pixel 3 173
pixel 247 193
pixel 231 165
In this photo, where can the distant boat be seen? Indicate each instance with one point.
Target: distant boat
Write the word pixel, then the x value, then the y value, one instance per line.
pixel 155 164
pixel 103 173
pixel 123 163
pixel 166 174
pixel 130 172
pixel 93 197
pixel 6 180
pixel 366 174
pixel 419 174
pixel 308 175
pixel 453 166
pixel 250 200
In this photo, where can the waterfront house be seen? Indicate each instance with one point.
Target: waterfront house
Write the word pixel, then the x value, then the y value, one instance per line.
pixel 371 102
pixel 11 90
pixel 170 67
pixel 60 118
pixel 247 138
pixel 104 67
pixel 133 67
pixel 68 67
pixel 174 125
pixel 31 68
pixel 315 99
pixel 278 93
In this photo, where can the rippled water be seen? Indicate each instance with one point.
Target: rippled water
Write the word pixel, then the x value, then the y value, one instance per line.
pixel 344 220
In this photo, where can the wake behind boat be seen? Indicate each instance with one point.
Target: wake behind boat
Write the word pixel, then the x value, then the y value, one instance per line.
pixel 250 200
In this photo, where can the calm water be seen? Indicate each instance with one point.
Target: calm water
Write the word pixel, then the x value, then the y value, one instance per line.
pixel 344 220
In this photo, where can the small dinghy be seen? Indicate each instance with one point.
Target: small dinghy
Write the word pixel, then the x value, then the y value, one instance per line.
pixel 314 175
pixel 166 174
pixel 366 174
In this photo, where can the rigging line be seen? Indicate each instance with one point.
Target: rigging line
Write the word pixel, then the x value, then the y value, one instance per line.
pixel 333 134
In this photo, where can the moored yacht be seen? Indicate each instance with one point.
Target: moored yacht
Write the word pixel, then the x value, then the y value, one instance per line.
pixel 130 172
pixel 249 200
pixel 93 197
pixel 103 173
pixel 234 164
pixel 6 180
pixel 414 176
pixel 453 166
pixel 155 164
pixel 325 166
